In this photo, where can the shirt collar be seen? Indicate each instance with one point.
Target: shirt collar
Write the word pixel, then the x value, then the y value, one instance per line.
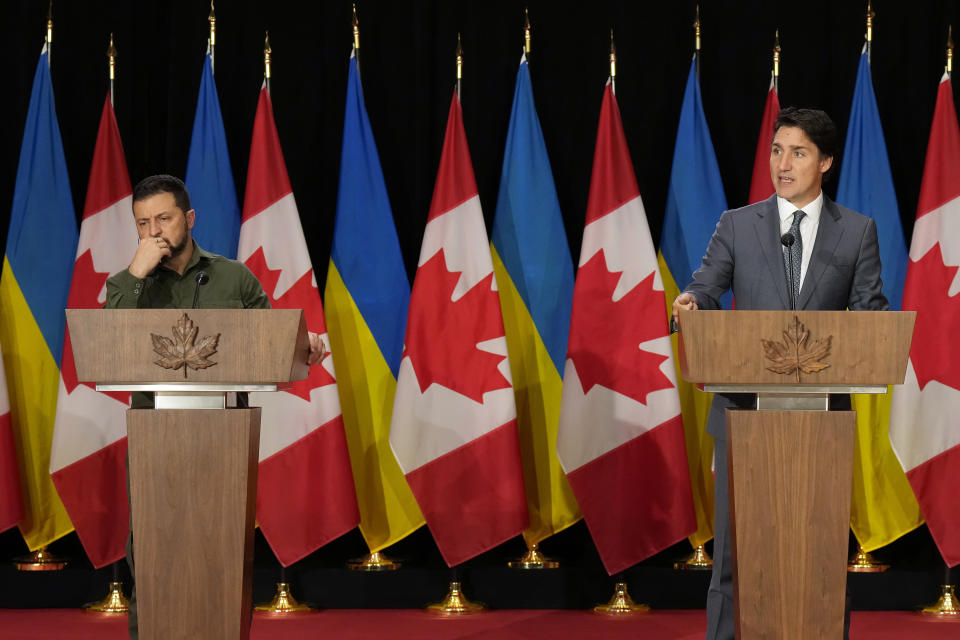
pixel 812 209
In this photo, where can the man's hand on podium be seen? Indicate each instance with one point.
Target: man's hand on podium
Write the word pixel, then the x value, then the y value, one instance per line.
pixel 683 301
pixel 318 350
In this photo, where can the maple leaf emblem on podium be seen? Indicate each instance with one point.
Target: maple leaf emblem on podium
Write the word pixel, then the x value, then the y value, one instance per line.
pixel 183 350
pixel 796 353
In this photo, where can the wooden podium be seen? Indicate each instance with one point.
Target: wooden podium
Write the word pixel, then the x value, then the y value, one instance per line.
pixel 790 463
pixel 192 461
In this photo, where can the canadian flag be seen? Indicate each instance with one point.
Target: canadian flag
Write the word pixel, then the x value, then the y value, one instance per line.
pixel 454 425
pixel 621 439
pixel 761 184
pixel 923 415
pixel 11 503
pixel 305 494
pixel 88 458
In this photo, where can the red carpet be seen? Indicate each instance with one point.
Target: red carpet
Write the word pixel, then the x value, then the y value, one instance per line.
pixel 530 624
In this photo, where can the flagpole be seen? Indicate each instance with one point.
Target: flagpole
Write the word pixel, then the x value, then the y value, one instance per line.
pixel 459 64
pixel 613 64
pixel 267 51
pixel 526 32
pixel 950 51
pixel 111 65
pixel 776 62
pixel 212 19
pixel 49 38
pixel 869 37
pixel 356 36
pixel 696 40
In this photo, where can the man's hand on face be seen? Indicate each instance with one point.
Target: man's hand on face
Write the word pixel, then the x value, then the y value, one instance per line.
pixel 683 301
pixel 149 253
pixel 318 350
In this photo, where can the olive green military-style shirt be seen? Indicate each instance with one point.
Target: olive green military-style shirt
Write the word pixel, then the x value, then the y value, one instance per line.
pixel 231 285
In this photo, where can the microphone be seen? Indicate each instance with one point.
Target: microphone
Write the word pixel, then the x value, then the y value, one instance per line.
pixel 787 240
pixel 202 279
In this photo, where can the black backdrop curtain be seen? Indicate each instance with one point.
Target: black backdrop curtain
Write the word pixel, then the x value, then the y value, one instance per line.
pixel 408 73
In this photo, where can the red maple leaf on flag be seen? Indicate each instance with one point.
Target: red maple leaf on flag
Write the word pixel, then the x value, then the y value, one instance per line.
pixel 302 295
pixel 85 287
pixel 925 291
pixel 442 334
pixel 605 335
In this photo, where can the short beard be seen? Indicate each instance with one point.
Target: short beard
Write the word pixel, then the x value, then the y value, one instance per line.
pixel 176 250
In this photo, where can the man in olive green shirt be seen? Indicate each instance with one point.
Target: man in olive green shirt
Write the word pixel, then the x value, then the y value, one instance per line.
pixel 170 271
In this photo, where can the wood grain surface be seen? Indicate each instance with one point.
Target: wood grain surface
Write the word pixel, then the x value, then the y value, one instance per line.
pixel 193 489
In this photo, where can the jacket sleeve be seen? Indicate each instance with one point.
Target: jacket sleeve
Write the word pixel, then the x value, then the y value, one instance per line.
pixel 715 274
pixel 866 292
pixel 124 291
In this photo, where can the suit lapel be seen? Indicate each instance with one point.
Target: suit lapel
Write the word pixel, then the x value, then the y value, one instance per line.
pixel 829 233
pixel 768 236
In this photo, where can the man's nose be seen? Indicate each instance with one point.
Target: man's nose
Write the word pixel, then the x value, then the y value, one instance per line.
pixel 155 230
pixel 783 162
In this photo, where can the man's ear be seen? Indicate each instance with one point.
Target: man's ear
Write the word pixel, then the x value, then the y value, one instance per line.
pixel 825 163
pixel 191 218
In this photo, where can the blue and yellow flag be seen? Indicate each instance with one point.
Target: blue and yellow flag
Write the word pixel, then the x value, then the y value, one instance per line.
pixel 366 300
pixel 883 506
pixel 41 246
pixel 209 176
pixel 534 271
pixel 695 201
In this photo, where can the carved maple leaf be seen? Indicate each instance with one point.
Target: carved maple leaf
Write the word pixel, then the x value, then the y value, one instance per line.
pixel 796 354
pixel 926 292
pixel 303 294
pixel 605 335
pixel 183 350
pixel 442 334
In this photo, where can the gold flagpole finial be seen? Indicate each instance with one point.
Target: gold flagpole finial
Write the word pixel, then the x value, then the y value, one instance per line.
pixel 112 62
pixel 212 19
pixel 266 56
pixel 949 49
pixel 356 28
pixel 870 16
pixel 526 30
pixel 696 31
pixel 613 56
pixel 112 58
pixel 50 25
pixel 776 54
pixel 459 58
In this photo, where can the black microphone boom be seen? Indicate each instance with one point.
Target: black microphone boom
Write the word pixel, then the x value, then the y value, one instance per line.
pixel 202 278
pixel 787 240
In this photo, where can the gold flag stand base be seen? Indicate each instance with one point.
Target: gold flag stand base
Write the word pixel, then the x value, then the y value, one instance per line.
pixel 114 602
pixel 455 604
pixel 39 560
pixel 283 603
pixel 699 560
pixel 946 607
pixel 376 561
pixel 621 603
pixel 533 559
pixel 863 562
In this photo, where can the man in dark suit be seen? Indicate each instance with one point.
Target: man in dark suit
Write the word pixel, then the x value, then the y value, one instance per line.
pixel 835 265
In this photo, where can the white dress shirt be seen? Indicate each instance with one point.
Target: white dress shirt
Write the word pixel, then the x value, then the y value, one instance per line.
pixel 808 227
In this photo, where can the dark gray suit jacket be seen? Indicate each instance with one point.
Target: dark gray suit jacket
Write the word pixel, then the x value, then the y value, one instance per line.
pixel 745 254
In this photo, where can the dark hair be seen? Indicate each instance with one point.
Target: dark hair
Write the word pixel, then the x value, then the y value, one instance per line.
pixel 163 184
pixel 817 125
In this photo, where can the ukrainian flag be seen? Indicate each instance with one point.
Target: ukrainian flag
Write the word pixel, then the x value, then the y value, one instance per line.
pixel 534 274
pixel 209 176
pixel 35 282
pixel 883 507
pixel 695 201
pixel 366 300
